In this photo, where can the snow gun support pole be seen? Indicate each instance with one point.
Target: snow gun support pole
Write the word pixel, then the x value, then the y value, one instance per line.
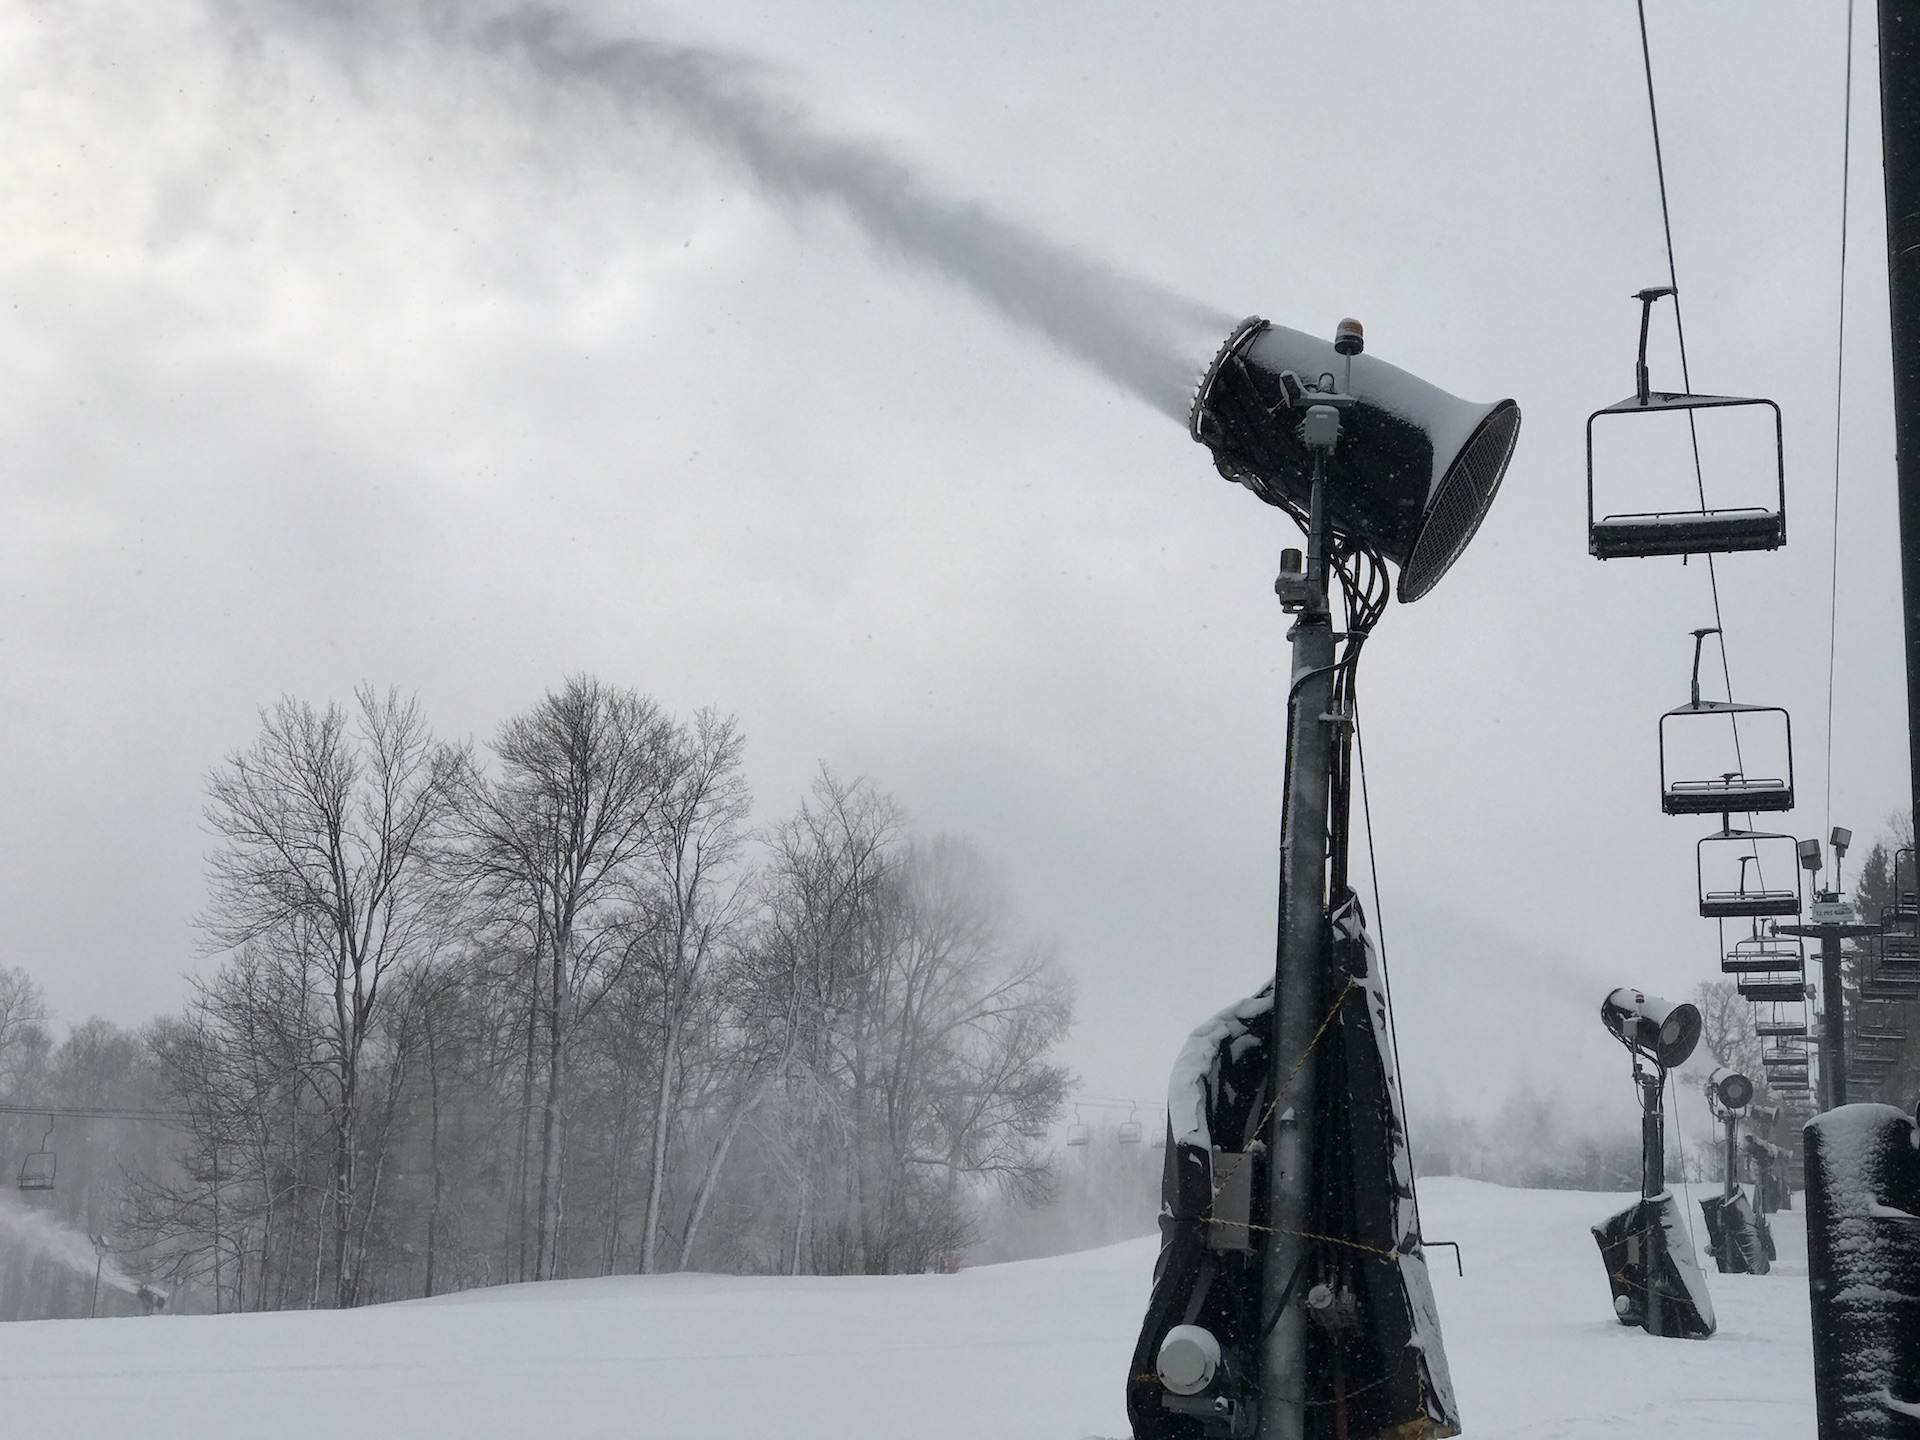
pixel 1652 1081
pixel 1301 965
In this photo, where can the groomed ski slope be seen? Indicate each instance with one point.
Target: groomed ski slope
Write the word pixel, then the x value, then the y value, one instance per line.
pixel 1033 1349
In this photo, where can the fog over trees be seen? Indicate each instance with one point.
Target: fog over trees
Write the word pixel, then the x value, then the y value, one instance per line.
pixel 552 1007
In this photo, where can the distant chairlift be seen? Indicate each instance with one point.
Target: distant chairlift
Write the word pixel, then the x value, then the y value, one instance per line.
pixel 36 1169
pixel 1769 968
pixel 1078 1133
pixel 1768 728
pixel 1684 531
pixel 1130 1128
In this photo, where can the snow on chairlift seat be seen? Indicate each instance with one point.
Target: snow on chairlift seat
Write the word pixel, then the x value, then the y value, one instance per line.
pixel 1683 531
pixel 1773 989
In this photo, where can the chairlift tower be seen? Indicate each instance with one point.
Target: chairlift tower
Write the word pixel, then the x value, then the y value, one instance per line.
pixel 1831 921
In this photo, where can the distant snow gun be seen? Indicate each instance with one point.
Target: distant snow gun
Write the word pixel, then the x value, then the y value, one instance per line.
pixel 1656 1282
pixel 1769 1161
pixel 1738 1238
pixel 1863 1270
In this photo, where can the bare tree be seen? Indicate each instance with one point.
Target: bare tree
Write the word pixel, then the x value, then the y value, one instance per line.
pixel 693 906
pixel 328 826
pixel 585 771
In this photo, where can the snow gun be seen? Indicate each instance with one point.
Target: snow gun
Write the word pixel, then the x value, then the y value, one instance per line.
pixel 1657 1284
pixel 1291 1300
pixel 1738 1236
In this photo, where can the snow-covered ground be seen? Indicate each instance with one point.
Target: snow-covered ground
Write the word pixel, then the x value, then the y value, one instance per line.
pixel 1038 1348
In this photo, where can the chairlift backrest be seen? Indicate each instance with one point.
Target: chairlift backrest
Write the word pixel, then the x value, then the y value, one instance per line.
pixel 1684 530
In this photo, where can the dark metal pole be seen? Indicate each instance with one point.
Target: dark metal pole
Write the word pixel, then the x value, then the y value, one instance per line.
pixel 1653 1183
pixel 1299 997
pixel 1833 1026
pixel 1900 151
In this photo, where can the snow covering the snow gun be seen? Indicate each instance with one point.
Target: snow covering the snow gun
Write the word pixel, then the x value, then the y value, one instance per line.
pixel 1196 1070
pixel 1423 1311
pixel 1680 1252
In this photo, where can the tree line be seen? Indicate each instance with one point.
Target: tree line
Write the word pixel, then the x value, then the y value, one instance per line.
pixel 553 1007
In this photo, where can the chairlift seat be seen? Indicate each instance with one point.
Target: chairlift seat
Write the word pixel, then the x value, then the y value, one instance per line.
pixel 1686 532
pixel 36 1171
pixel 1877 989
pixel 1129 1132
pixel 1732 904
pixel 1079 1134
pixel 1738 964
pixel 1773 989
pixel 1784 1028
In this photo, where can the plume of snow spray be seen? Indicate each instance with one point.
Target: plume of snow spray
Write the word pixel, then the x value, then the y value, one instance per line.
pixel 1146 338
pixel 40 1233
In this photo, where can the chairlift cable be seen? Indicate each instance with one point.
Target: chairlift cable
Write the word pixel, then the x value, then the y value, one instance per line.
pixel 1680 329
pixel 1686 378
pixel 1839 394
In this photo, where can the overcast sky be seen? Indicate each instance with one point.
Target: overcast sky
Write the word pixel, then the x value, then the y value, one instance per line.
pixel 333 350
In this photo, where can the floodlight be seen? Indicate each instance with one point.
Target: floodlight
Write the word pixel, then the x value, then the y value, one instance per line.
pixel 1647 1025
pixel 1810 855
pixel 1840 840
pixel 1415 470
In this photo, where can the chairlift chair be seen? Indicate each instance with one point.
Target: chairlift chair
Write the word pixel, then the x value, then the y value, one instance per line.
pixel 1768 728
pixel 1683 531
pixel 1884 1033
pixel 1130 1127
pixel 1769 968
pixel 1751 896
pixel 37 1167
pixel 1882 988
pixel 1078 1133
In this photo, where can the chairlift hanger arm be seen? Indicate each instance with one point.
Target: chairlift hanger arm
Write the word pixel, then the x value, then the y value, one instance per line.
pixel 1646 298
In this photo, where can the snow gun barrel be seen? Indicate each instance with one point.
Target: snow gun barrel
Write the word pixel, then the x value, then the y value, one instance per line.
pixel 1415 468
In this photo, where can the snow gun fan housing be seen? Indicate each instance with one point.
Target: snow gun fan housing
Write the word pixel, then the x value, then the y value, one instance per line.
pixel 1415 468
pixel 1651 1027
